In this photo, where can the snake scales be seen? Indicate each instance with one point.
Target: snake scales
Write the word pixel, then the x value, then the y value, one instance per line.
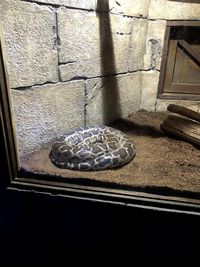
pixel 92 148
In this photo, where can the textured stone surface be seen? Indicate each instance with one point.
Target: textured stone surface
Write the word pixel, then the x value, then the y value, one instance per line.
pixel 164 9
pixel 161 104
pixel 86 50
pixel 90 44
pixel 44 112
pixel 136 8
pixel 29 37
pixel 149 90
pixel 83 4
pixel 154 44
pixel 110 98
pixel 138 44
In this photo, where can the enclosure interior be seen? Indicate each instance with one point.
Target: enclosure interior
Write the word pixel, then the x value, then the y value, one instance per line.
pixel 82 63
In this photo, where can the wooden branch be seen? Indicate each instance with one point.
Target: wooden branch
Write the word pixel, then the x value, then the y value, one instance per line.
pixel 184 111
pixel 181 127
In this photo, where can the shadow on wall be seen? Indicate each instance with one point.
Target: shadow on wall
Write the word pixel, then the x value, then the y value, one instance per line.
pixel 110 94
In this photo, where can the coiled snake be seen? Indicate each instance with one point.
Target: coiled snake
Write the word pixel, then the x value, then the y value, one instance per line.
pixel 92 148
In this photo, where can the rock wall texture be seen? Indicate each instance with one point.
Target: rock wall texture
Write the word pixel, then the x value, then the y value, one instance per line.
pixel 72 63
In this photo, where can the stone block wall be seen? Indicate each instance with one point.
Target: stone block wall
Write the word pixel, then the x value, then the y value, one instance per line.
pixel 77 62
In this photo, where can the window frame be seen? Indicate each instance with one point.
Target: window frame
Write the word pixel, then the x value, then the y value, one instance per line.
pixel 12 179
pixel 161 92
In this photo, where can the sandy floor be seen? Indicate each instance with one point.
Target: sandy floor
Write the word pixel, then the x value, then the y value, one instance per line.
pixel 162 163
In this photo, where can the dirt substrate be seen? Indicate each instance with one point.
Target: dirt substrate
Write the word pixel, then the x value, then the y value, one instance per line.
pixel 162 163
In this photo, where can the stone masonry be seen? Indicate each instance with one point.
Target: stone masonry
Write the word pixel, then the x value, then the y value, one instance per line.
pixel 71 64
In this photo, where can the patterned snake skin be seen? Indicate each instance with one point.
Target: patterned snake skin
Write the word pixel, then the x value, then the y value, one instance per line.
pixel 92 148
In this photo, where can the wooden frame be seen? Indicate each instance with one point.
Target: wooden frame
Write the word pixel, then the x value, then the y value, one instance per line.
pixel 176 91
pixel 11 178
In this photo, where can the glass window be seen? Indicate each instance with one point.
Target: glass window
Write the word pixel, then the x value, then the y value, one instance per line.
pixel 101 98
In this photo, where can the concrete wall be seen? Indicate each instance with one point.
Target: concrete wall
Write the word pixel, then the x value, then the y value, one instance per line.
pixel 70 64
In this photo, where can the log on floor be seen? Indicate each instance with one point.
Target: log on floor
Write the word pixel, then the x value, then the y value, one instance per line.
pixel 184 112
pixel 185 129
